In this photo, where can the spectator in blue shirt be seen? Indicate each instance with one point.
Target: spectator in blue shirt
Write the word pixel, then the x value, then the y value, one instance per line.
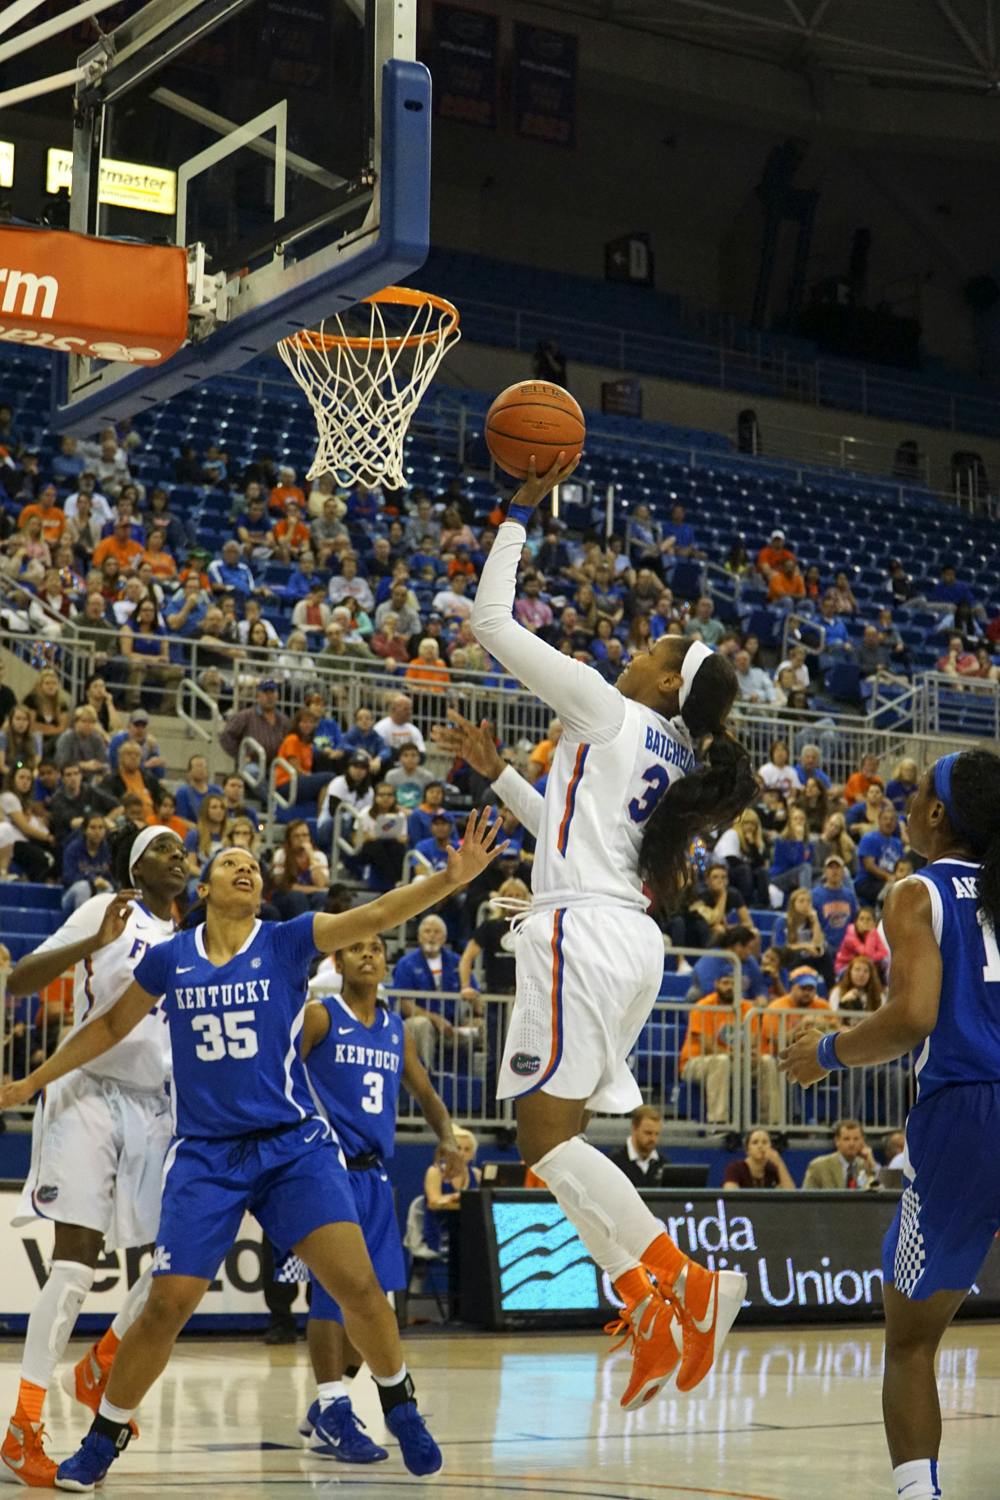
pixel 228 575
pixel 834 902
pixel 328 740
pixel 67 464
pixel 86 864
pixel 905 781
pixel 682 532
pixel 421 819
pixel 430 967
pixel 442 838
pixel 138 732
pixel 878 853
pixel 810 758
pixel 739 941
pixel 362 736
pixel 192 792
pixel 791 863
pixel 948 590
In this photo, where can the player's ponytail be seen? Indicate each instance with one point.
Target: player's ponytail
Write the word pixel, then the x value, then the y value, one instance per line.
pixel 711 797
pixel 975 795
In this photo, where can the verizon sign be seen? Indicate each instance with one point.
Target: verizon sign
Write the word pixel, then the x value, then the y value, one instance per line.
pixel 75 294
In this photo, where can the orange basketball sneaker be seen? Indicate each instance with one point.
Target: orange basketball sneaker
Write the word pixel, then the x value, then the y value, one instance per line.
pixel 23 1454
pixel 88 1379
pixel 708 1304
pixel 649 1319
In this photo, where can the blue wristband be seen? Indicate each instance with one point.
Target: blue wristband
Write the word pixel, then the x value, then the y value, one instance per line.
pixel 826 1054
pixel 522 513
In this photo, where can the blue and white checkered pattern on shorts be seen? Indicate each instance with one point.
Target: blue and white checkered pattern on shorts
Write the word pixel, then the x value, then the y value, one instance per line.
pixel 908 1265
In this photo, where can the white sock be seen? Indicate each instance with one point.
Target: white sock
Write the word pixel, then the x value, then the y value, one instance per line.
pixel 390 1379
pixel 133 1304
pixel 330 1391
pixel 53 1318
pixel 119 1414
pixel 918 1480
pixel 610 1217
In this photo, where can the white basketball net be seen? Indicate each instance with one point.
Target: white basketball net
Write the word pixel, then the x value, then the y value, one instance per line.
pixel 364 372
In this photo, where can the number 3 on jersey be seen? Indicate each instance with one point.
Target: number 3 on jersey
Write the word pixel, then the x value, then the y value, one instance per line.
pixel 234 1034
pixel 657 780
pixel 371 1102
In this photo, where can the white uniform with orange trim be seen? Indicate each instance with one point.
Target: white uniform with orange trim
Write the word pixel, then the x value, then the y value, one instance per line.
pixel 589 959
pixel 100 1134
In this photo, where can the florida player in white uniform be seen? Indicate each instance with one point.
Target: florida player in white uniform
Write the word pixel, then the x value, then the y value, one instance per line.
pixel 358 1055
pixel 99 1137
pixel 248 1133
pixel 943 929
pixel 623 800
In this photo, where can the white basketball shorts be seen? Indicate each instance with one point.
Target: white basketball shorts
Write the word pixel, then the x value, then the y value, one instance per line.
pixel 587 978
pixel 97 1152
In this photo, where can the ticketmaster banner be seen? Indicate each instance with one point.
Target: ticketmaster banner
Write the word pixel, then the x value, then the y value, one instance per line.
pixel 24 1255
pixel 812 1257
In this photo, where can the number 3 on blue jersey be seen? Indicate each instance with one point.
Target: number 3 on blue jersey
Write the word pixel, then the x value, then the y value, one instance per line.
pixel 657 780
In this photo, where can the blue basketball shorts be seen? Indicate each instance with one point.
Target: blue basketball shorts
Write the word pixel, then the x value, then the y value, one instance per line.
pixel 946 1219
pixel 377 1217
pixel 292 1183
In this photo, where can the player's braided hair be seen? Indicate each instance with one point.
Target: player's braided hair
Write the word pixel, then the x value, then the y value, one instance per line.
pixel 975 790
pixel 120 841
pixel 710 797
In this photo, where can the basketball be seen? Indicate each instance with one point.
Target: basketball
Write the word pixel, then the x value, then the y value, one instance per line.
pixel 534 418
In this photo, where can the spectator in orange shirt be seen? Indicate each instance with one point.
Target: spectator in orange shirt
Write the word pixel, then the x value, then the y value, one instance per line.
pixel 297 749
pixel 159 559
pixel 785 582
pixel 706 1058
pixel 167 814
pixel 775 1030
pixel 286 489
pixel 49 513
pixel 856 786
pixel 289 537
pixel 774 554
pixel 540 758
pixel 427 669
pixel 118 545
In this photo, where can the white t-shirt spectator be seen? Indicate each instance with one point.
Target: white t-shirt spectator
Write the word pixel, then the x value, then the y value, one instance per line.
pixel 99 507
pixel 453 606
pixel 779 778
pixel 350 588
pixel 801 674
pixel 397 735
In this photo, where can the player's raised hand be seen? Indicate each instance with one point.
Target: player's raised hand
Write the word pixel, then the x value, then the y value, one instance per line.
pixel 535 488
pixel 478 848
pixel 799 1059
pixel 115 917
pixel 469 742
pixel 13 1094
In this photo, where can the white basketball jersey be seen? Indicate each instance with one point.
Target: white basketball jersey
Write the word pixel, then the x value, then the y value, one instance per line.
pixel 142 1059
pixel 597 800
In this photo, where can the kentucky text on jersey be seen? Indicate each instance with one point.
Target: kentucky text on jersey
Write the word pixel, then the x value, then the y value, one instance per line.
pixel 217 996
pixel 367 1057
pixel 669 749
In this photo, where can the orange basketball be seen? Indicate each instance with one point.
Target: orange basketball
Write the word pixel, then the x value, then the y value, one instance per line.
pixel 534 418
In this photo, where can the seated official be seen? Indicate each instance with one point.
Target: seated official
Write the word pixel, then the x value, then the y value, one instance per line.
pixel 850 1167
pixel 762 1167
pixel 639 1157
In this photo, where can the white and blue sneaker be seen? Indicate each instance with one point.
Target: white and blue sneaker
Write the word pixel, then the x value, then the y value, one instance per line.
pixel 338 1433
pixel 421 1454
pixel 89 1464
pixel 309 1421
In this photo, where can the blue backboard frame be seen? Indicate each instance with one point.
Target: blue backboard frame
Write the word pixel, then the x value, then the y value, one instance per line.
pixel 87 396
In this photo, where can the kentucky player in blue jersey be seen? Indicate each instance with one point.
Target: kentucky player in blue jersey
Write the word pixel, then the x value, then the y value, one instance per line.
pixel 248 1134
pixel 359 1054
pixel 942 927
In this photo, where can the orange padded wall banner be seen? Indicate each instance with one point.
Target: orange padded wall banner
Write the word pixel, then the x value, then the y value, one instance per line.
pixel 75 294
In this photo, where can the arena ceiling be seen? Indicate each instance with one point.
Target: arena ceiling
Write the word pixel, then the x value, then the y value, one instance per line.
pixel 936 44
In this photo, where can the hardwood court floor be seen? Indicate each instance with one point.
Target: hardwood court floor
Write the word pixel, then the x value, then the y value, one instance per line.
pixel 790 1416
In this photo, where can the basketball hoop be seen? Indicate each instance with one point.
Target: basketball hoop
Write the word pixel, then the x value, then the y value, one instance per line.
pixel 364 372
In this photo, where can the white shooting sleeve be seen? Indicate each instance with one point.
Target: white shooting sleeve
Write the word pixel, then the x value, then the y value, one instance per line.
pixel 520 796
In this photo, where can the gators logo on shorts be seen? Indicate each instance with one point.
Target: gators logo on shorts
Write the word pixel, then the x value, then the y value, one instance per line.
pixel 47 1194
pixel 525 1063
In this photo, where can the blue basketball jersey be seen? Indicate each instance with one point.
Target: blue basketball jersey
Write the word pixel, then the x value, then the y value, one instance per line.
pixel 234 1029
pixel 964 1046
pixel 356 1072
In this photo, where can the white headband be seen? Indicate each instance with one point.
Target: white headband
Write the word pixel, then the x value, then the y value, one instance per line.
pixel 143 841
pixel 696 653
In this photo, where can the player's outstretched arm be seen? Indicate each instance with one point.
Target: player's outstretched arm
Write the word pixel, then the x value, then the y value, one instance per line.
pixel 475 744
pixel 416 1081
pixel 478 849
pixel 910 1013
pixel 590 708
pixel 86 1043
pixel 75 940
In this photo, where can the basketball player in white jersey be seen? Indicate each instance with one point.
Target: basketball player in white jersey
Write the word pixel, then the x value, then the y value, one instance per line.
pixel 624 798
pixel 99 1135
